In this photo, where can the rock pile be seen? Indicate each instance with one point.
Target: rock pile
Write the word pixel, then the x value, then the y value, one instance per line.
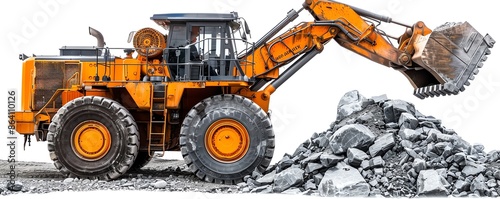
pixel 382 147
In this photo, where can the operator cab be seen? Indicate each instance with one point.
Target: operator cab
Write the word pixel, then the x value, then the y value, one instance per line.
pixel 201 46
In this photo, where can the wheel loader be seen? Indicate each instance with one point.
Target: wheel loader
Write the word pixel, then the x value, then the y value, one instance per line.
pixel 204 89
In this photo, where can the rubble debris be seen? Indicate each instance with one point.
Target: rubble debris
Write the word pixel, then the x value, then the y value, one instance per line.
pixel 383 147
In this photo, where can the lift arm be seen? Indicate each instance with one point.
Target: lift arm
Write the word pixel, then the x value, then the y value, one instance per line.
pixel 427 58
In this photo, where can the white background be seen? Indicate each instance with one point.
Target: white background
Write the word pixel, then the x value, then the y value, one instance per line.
pixel 307 102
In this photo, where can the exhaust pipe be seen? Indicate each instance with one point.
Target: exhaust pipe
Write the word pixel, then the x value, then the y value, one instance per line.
pixel 98 36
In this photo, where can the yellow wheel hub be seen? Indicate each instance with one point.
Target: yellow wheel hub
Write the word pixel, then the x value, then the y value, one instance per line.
pixel 91 140
pixel 227 140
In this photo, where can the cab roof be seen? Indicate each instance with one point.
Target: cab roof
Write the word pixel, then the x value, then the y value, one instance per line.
pixel 164 19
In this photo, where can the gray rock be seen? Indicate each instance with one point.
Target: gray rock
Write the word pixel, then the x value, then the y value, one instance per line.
pixel 288 178
pixel 382 144
pixel 406 144
pixel 480 186
pixel 447 152
pixel 127 184
pixel 409 134
pixel 394 108
pixel 461 185
pixel 329 160
pixel 476 149
pixel 262 189
pixel 440 137
pixel 419 165
pixel 313 157
pixel 365 118
pixel 472 169
pixel 459 144
pixel 144 186
pixel 256 174
pixel 459 157
pixel 284 163
pixel 350 103
pixel 491 183
pixel 392 125
pixel 266 179
pixel 356 156
pixel 497 174
pixel 380 98
pixel 493 156
pixel 375 162
pixel 304 155
pixel 311 167
pixel 430 183
pixel 351 136
pixel 292 191
pixel 365 164
pixel 317 178
pixel 300 150
pixel 16 186
pixel 431 134
pixel 407 120
pixel 343 181
pixel 160 184
pixel 321 141
pixel 378 171
pixel 310 185
pixel 68 180
pixel 412 153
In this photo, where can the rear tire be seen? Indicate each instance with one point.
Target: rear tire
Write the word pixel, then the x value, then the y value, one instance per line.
pixel 93 137
pixel 226 137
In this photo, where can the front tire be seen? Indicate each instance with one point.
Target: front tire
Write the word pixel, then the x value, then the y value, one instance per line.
pixel 93 137
pixel 226 137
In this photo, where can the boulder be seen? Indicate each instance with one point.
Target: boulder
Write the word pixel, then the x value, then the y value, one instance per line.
pixel 267 179
pixel 430 183
pixel 472 169
pixel 288 178
pixel 311 167
pixel 382 144
pixel 461 185
pixel 394 108
pixel 419 165
pixel 356 156
pixel 409 134
pixel 329 160
pixel 351 136
pixel 350 103
pixel 407 120
pixel 343 181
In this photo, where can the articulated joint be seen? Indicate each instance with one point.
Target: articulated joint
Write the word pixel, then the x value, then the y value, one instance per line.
pixel 318 45
pixel 267 92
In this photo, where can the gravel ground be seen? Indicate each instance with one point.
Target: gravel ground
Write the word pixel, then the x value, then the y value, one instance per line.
pixel 158 175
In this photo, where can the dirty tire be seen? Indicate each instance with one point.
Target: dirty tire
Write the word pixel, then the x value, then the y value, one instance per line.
pixel 124 138
pixel 142 160
pixel 222 107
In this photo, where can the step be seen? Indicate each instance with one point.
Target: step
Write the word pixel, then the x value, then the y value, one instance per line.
pixel 157 122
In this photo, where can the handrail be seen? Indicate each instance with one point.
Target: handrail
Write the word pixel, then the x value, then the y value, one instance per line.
pixel 77 74
pixel 52 99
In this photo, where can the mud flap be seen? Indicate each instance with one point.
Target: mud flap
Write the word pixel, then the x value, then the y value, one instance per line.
pixel 452 54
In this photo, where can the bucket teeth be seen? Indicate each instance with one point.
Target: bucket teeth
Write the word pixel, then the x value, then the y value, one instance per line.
pixel 453 54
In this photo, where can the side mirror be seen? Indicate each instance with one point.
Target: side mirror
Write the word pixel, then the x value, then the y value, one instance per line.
pixel 247 29
pixel 130 36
